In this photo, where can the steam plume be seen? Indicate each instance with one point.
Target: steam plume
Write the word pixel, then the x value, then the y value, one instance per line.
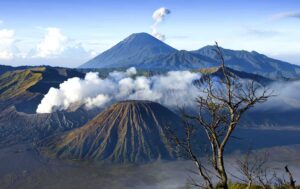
pixel 159 16
pixel 175 88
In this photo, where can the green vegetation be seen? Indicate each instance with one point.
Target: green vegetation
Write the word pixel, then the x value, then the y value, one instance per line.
pixel 208 70
pixel 15 83
pixel 24 88
pixel 243 186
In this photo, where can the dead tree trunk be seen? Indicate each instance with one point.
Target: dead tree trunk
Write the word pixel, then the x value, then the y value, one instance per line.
pixel 220 109
pixel 292 181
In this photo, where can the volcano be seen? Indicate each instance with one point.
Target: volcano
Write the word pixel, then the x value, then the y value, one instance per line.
pixel 128 131
pixel 132 51
pixel 145 52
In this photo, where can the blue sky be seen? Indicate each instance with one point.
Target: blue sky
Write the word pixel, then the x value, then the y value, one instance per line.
pixel 68 33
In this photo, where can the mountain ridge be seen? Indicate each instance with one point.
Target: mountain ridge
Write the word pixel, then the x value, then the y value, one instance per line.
pixel 141 50
pixel 24 88
pixel 252 62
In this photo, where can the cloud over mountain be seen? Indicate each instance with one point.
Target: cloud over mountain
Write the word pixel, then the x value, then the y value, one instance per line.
pixel 93 91
pixel 287 96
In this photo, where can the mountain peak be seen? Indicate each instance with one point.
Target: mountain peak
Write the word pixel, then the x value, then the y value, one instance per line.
pixel 143 39
pixel 141 35
pixel 132 51
pixel 144 51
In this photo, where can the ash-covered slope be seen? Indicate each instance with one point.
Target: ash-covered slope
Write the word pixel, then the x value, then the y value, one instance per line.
pixel 22 128
pixel 128 131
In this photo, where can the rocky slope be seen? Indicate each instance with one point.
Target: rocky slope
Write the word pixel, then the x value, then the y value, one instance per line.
pixel 19 127
pixel 128 131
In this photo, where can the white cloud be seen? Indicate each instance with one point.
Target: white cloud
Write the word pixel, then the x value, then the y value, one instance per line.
pixel 1 22
pixel 287 96
pixel 54 48
pixel 7 36
pixel 287 15
pixel 93 91
pixel 6 55
pixel 53 44
pixel 7 44
pixel 262 33
pixel 57 47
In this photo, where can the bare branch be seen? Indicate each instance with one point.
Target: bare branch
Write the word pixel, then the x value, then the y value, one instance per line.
pixel 221 107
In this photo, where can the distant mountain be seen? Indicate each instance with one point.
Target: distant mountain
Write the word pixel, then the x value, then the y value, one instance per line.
pixel 252 62
pixel 132 51
pixel 128 131
pixel 273 118
pixel 179 60
pixel 143 51
pixel 24 88
pixel 218 72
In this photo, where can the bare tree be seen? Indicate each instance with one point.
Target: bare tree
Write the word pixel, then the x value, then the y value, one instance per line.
pixel 265 178
pixel 292 183
pixel 220 110
pixel 253 169
pixel 247 169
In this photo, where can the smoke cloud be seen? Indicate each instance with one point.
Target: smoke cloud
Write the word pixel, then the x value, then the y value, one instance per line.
pixel 173 89
pixel 158 17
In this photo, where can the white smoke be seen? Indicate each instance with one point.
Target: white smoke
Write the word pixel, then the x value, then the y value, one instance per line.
pixel 172 89
pixel 159 16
